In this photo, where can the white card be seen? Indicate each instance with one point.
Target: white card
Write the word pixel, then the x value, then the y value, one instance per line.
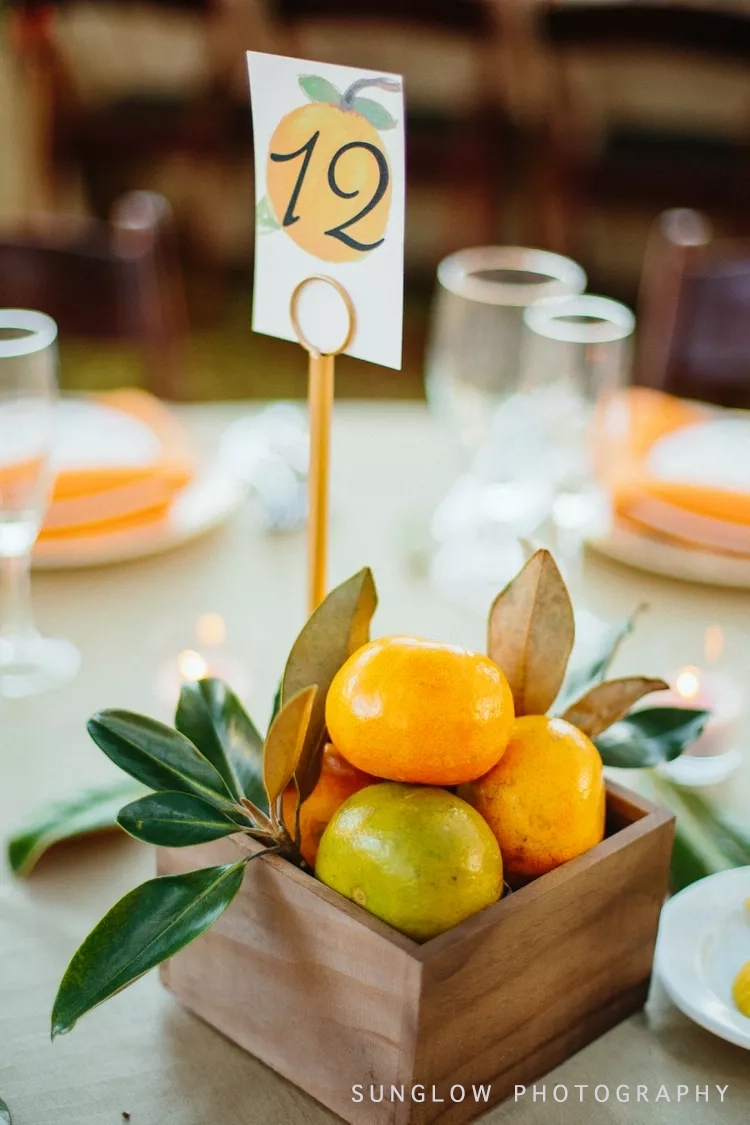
pixel 329 191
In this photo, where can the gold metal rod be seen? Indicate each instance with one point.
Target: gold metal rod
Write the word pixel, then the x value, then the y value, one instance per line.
pixel 320 399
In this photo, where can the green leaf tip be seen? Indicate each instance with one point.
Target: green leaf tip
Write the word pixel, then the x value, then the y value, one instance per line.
pixel 147 926
pixel 175 820
pixel 374 112
pixel 650 736
pixel 5 1117
pixel 319 89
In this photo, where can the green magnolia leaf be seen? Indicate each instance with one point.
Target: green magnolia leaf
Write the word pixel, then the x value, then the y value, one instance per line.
pixel 144 928
pixel 531 632
pixel 85 812
pixel 5 1118
pixel 157 755
pixel 579 680
pixel 319 89
pixel 285 742
pixel 264 216
pixel 650 736
pixel 175 820
pixel 375 113
pixel 605 703
pixel 212 717
pixel 700 832
pixel 338 627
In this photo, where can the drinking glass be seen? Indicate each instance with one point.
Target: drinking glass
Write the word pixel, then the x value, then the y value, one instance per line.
pixel 477 331
pixel 576 359
pixel 28 392
pixel 473 382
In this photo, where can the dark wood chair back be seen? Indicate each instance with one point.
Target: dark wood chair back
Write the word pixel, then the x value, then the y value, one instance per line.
pixel 694 313
pixel 118 280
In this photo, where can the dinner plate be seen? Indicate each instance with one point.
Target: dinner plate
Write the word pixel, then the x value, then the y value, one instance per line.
pixel 205 504
pixel 704 940
pixel 670 559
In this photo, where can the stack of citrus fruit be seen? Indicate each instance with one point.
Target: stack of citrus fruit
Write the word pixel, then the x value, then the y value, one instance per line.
pixel 428 719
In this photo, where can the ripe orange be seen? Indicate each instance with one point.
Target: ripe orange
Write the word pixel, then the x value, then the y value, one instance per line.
pixel 338 780
pixel 419 858
pixel 418 711
pixel 318 132
pixel 544 800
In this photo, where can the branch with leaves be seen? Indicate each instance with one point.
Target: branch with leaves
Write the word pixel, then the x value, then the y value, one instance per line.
pixel 212 775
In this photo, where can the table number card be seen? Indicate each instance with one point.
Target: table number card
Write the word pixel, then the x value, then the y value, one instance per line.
pixel 329 189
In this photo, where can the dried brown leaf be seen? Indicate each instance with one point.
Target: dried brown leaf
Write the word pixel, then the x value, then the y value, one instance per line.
pixel 531 633
pixel 338 627
pixel 607 702
pixel 285 741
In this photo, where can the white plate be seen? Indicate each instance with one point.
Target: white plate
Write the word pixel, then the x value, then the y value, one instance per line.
pixel 704 940
pixel 199 508
pixel 689 563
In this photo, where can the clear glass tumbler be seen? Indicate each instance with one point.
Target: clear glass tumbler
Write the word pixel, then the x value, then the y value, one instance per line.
pixel 29 663
pixel 477 331
pixel 577 357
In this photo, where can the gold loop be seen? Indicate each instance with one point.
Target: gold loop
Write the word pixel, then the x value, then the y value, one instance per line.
pixel 311 348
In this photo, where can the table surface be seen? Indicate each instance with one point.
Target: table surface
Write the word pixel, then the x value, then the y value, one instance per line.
pixel 141 1052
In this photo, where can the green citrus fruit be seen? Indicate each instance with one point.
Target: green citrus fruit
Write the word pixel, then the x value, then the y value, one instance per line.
pixel 419 858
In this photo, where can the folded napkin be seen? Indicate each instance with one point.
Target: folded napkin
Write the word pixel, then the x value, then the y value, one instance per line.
pixel 684 472
pixel 120 460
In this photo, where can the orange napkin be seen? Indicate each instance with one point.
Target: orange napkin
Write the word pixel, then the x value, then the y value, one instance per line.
pixel 120 460
pixel 684 471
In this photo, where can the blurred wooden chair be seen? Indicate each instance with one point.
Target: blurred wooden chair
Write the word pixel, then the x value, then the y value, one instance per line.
pixel 116 280
pixel 116 83
pixel 694 312
pixel 450 53
pixel 648 107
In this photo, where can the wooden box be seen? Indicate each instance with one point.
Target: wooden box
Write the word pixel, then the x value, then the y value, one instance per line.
pixel 337 1001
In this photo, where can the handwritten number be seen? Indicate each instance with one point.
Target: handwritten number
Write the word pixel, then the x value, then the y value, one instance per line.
pixel 339 231
pixel 382 163
pixel 280 158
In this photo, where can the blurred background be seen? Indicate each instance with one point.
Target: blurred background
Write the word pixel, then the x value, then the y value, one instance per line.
pixel 558 124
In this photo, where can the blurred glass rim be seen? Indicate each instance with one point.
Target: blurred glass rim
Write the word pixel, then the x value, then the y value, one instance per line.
pixel 582 319
pixel 39 332
pixel 458 273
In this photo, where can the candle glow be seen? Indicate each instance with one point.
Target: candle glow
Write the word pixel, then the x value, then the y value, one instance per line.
pixel 191 665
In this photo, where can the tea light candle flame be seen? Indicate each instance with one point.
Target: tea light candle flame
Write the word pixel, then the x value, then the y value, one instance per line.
pixel 688 682
pixel 192 666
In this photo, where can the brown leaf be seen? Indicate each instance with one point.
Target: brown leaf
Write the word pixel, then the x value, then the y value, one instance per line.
pixel 338 627
pixel 531 633
pixel 284 742
pixel 607 702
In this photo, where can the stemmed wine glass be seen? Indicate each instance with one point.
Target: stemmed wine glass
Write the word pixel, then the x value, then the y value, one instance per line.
pixel 29 663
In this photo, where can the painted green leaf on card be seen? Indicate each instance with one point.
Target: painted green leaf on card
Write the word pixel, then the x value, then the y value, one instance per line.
pixel 648 737
pixel 83 813
pixel 319 89
pixel 212 717
pixel 157 755
pixel 375 113
pixel 338 627
pixel 175 820
pixel 148 925
pixel 265 219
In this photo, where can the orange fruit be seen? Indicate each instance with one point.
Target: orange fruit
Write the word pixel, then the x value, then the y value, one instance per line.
pixel 545 798
pixel 338 780
pixel 418 711
pixel 307 206
pixel 420 859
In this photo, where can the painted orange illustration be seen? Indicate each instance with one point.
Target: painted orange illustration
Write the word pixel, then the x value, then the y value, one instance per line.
pixel 328 177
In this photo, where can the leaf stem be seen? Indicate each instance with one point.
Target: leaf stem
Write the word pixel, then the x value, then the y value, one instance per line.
pixel 383 83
